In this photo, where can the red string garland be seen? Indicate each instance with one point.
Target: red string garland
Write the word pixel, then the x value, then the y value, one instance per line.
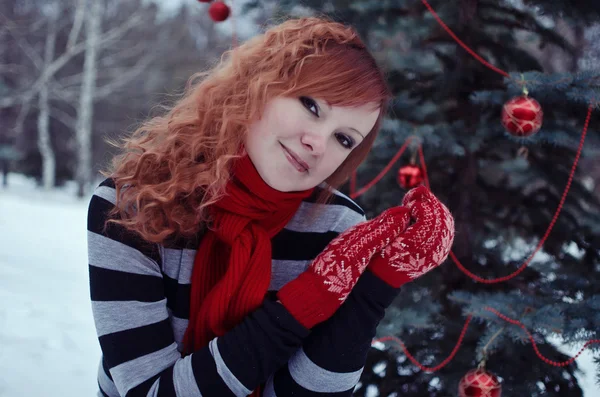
pixel 414 360
pixel 383 172
pixel 461 43
pixel 462 335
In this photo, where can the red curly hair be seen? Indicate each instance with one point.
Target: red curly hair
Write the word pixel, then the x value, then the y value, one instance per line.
pixel 175 165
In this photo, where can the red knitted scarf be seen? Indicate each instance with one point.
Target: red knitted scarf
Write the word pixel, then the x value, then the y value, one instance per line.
pixel 232 268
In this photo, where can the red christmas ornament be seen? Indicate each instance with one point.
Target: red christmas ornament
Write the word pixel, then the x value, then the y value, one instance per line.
pixel 218 11
pixel 410 176
pixel 479 383
pixel 522 116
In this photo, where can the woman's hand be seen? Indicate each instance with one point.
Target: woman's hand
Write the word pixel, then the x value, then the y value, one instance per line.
pixel 423 246
pixel 318 292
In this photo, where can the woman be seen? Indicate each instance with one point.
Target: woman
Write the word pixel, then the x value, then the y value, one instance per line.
pixel 223 261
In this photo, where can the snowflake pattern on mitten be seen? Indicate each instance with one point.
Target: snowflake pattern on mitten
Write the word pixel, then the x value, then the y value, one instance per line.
pixel 347 256
pixel 426 244
pixel 423 246
pixel 316 294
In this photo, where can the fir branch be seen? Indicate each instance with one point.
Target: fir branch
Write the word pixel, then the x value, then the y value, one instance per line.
pixel 526 21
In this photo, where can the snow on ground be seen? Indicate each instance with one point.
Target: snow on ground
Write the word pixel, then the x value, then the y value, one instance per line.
pixel 48 344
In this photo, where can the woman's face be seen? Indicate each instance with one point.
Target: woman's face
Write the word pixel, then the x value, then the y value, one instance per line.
pixel 300 142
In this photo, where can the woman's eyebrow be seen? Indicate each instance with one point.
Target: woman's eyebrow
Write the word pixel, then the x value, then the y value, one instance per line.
pixel 357 131
pixel 352 128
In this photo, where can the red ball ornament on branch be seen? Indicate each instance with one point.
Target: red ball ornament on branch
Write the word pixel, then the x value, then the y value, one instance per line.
pixel 522 116
pixel 479 383
pixel 410 176
pixel 218 11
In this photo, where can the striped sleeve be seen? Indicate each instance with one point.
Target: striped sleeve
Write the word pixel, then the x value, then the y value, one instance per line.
pixel 140 355
pixel 331 360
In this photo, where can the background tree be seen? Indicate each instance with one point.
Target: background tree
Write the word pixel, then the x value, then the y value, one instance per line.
pixel 502 201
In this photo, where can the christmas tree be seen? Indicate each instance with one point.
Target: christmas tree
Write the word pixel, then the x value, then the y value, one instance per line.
pixel 514 193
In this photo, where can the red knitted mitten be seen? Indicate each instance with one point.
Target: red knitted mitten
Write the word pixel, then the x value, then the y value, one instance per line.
pixel 424 245
pixel 318 292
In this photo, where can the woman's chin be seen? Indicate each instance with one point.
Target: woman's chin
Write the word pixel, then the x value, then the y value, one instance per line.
pixel 286 185
pixel 281 186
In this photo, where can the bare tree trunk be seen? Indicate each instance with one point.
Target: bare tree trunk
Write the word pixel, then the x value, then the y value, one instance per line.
pixel 85 114
pixel 43 123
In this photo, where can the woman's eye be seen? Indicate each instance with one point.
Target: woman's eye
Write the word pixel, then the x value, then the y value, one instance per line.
pixel 345 140
pixel 310 104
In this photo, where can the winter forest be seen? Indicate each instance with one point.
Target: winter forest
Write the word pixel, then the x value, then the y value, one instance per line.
pixel 520 293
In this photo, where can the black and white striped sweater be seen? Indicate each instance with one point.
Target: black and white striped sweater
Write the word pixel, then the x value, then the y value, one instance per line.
pixel 140 300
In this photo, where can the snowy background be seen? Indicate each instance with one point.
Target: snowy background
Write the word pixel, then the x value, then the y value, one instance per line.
pixel 48 345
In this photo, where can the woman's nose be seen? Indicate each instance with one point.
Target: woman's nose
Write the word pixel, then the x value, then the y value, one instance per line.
pixel 314 142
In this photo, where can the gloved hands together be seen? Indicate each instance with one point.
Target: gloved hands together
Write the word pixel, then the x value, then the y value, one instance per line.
pixel 398 246
pixel 317 293
pixel 423 246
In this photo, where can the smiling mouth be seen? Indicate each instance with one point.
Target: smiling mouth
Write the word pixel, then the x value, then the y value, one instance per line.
pixel 300 165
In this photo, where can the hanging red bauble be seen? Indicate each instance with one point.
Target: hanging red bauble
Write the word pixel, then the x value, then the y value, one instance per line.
pixel 218 11
pixel 410 176
pixel 522 116
pixel 479 383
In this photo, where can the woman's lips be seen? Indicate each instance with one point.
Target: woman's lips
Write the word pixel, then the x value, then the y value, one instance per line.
pixel 296 161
